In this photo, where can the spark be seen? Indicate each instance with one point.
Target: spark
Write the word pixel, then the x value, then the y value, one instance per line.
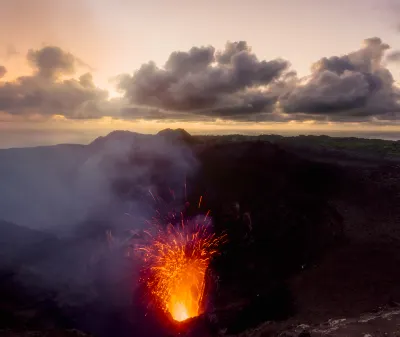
pixel 175 265
pixel 201 198
pixel 152 196
pixel 207 214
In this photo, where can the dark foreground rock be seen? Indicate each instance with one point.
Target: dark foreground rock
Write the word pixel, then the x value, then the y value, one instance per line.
pixel 384 322
pixel 313 236
pixel 43 333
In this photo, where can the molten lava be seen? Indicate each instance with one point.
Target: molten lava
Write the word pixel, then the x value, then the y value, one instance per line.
pixel 176 262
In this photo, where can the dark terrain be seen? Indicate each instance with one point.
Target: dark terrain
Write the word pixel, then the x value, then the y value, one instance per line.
pixel 324 244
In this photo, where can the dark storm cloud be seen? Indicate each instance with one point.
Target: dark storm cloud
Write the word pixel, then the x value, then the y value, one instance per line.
pixel 3 71
pixel 45 93
pixel 356 86
pixel 205 82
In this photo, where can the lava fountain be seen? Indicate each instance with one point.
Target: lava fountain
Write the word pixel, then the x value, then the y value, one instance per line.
pixel 176 261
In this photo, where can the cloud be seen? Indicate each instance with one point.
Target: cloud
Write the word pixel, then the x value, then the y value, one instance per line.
pixel 52 62
pixel 83 64
pixel 47 93
pixel 206 83
pixel 354 86
pixel 393 56
pixel 3 71
pixel 231 48
pixel 234 84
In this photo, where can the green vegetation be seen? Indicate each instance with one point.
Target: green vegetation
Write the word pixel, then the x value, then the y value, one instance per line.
pixel 377 148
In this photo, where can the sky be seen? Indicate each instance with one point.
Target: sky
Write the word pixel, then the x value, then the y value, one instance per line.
pixel 74 70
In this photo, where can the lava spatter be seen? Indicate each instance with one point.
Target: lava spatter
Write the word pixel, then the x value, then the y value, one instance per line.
pixel 176 260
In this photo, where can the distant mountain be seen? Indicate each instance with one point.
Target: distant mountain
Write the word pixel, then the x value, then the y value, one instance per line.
pixel 177 135
pixel 129 137
pixel 117 136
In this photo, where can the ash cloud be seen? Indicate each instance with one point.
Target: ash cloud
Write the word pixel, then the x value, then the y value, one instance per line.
pixel 78 193
pixel 68 183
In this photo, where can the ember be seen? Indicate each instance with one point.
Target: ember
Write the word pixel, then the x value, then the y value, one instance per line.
pixel 176 261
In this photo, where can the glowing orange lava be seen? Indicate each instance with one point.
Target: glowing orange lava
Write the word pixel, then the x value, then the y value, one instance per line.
pixel 176 261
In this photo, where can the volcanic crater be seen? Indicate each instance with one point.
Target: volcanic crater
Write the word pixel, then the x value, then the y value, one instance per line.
pixel 312 233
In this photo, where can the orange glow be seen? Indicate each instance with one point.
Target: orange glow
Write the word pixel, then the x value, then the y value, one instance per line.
pixel 177 262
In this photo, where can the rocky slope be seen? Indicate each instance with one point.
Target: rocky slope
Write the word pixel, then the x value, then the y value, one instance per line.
pixel 325 239
pixel 384 322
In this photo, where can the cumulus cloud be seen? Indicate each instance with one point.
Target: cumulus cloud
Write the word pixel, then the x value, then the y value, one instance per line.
pixel 234 84
pixel 231 48
pixel 3 71
pixel 356 85
pixel 207 83
pixel 51 62
pixel 47 93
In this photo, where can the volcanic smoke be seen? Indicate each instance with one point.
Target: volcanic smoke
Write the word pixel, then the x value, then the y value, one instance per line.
pixel 176 261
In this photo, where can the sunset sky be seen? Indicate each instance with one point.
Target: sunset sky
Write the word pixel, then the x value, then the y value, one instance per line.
pixel 74 70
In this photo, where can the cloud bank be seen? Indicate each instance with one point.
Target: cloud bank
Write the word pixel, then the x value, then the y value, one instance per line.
pixel 226 84
pixel 206 84
pixel 46 92
pixel 353 86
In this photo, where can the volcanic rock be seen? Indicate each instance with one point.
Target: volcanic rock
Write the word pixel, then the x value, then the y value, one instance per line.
pixel 20 245
pixel 177 135
pixel 43 333
pixel 314 231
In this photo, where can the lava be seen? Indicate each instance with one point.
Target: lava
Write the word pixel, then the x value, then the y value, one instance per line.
pixel 176 261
